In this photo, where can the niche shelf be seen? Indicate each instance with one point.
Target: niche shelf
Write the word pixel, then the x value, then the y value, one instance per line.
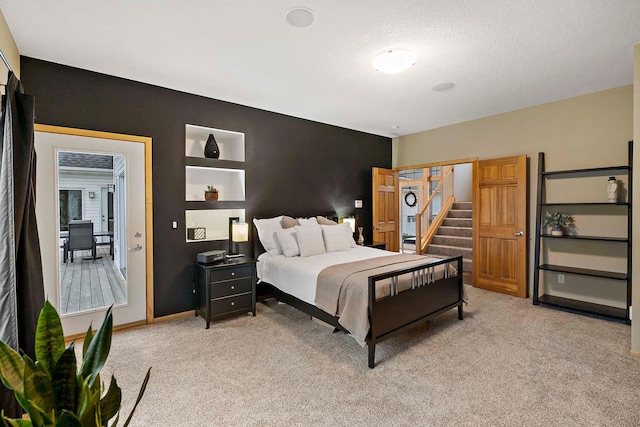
pixel 227 174
pixel 215 221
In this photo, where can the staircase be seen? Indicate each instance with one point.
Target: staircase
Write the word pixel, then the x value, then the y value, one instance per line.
pixel 454 237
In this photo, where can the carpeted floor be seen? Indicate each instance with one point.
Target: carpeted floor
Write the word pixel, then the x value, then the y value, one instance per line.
pixel 507 363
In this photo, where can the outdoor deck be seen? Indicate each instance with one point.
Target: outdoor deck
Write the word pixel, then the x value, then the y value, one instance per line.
pixel 89 284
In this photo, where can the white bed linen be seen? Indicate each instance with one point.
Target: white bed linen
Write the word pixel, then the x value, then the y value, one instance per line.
pixel 298 276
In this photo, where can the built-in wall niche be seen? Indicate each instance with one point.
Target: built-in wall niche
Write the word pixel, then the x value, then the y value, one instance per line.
pixel 230 143
pixel 215 222
pixel 228 182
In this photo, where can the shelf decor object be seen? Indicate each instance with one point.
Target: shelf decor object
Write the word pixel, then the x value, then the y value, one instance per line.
pixel 211 193
pixel 558 222
pixel 612 190
pixel 616 305
pixel 360 236
pixel 196 233
pixel 211 149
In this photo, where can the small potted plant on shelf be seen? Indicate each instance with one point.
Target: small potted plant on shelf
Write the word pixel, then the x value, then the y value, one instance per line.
pixel 211 193
pixel 558 222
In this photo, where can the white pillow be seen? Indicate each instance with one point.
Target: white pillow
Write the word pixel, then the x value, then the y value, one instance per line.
pixel 308 221
pixel 288 242
pixel 266 233
pixel 310 240
pixel 335 238
pixel 349 233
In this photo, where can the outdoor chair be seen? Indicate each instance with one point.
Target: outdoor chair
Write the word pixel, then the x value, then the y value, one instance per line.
pixel 80 239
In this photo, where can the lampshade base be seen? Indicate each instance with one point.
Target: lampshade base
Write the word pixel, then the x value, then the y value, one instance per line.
pixel 234 255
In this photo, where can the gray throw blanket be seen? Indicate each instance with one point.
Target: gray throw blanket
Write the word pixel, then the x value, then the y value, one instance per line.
pixel 342 290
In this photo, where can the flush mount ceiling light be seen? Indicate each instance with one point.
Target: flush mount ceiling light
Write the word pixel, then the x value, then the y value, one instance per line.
pixel 394 61
pixel 300 17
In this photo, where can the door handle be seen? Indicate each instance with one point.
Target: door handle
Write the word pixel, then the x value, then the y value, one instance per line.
pixel 138 234
pixel 518 233
pixel 136 248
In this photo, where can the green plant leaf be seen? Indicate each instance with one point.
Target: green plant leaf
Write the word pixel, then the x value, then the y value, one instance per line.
pixel 64 381
pixel 49 337
pixel 68 419
pixel 38 390
pixel 110 403
pixel 8 422
pixel 87 340
pixel 140 393
pixel 98 349
pixel 88 405
pixel 11 369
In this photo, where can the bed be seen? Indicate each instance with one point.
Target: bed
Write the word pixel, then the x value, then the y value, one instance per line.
pixel 368 293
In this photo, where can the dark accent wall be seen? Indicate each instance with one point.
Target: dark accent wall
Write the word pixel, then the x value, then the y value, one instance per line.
pixel 293 166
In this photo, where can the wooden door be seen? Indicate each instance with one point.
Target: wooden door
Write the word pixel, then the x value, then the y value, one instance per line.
pixel 500 225
pixel 386 208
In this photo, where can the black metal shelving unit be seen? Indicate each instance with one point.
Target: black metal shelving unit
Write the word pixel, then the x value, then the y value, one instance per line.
pixel 612 313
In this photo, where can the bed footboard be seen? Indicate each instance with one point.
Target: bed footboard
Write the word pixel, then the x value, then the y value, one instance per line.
pixel 426 298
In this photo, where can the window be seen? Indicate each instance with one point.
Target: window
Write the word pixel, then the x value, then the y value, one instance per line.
pixel 70 207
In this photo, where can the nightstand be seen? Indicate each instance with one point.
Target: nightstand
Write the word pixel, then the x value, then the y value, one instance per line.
pixel 377 245
pixel 225 288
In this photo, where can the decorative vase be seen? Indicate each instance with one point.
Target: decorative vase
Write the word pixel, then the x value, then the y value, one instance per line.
pixel 211 149
pixel 556 230
pixel 360 236
pixel 211 196
pixel 612 190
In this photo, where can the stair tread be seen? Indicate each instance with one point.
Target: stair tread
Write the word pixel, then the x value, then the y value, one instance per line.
pixel 446 257
pixel 447 246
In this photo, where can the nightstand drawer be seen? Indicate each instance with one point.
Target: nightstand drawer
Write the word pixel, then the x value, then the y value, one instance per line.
pixel 230 273
pixel 230 287
pixel 230 304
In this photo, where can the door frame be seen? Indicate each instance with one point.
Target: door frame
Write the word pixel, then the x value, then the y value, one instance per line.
pixel 148 194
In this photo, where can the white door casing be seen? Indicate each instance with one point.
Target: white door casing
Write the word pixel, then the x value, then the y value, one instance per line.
pixel 47 144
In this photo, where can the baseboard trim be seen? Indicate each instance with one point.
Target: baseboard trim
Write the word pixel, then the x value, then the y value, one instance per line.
pixel 635 354
pixel 118 328
pixel 182 315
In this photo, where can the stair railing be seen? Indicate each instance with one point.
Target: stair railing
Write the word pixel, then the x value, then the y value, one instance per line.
pixel 423 240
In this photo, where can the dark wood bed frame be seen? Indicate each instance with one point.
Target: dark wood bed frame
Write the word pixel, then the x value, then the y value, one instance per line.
pixel 398 312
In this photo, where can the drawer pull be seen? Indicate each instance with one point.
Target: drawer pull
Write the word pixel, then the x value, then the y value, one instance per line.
pixel 233 273
pixel 233 287
pixel 233 303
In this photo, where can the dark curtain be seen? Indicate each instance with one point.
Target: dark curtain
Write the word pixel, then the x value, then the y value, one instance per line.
pixel 21 282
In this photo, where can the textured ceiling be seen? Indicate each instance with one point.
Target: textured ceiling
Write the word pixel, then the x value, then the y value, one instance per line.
pixel 502 55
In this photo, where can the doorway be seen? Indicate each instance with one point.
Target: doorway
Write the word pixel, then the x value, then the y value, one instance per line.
pixel 128 220
pixel 88 278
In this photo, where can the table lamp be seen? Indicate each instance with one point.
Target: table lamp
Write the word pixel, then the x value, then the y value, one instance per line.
pixel 238 232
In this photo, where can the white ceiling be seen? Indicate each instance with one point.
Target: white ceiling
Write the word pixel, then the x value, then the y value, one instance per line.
pixel 502 55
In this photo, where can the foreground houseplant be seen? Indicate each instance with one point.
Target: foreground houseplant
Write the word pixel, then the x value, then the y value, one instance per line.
pixel 558 222
pixel 51 389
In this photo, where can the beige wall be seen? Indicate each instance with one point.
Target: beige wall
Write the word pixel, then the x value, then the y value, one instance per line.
pixel 9 49
pixel 582 132
pixel 635 327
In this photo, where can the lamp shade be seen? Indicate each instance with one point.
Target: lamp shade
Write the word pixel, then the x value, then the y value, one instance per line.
pixel 240 232
pixel 352 223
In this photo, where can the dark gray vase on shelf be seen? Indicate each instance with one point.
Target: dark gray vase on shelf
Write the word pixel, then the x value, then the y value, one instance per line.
pixel 211 149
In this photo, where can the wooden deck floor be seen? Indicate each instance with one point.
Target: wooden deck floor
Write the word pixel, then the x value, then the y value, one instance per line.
pixel 88 284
